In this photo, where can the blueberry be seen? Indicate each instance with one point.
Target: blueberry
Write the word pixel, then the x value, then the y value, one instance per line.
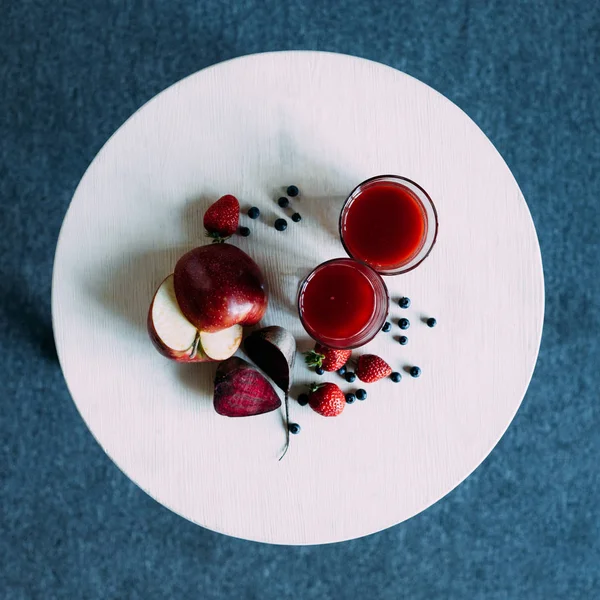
pixel 404 302
pixel 303 399
pixel 395 377
pixel 296 217
pixel 350 398
pixel 404 323
pixel 292 191
pixel 319 370
pixel 431 322
pixel 350 376
pixel 254 212
pixel 415 372
pixel 294 428
pixel 342 370
pixel 283 202
pixel 387 327
pixel 281 224
pixel 361 394
pixel 244 231
pixel 403 340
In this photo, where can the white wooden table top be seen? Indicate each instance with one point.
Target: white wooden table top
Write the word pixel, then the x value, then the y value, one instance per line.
pixel 250 127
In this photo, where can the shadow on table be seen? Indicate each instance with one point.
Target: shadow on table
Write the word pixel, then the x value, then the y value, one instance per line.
pixel 127 288
pixel 198 377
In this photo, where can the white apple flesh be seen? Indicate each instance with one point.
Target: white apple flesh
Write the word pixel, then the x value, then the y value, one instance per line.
pixel 176 338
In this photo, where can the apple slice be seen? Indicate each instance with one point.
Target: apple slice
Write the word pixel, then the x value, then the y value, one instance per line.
pixel 220 344
pixel 176 338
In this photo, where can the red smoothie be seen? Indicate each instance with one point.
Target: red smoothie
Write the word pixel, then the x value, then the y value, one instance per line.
pixel 384 225
pixel 338 301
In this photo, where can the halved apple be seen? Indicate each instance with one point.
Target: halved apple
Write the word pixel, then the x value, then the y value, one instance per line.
pixel 176 338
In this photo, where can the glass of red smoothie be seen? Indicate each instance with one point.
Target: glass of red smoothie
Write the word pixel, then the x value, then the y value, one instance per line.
pixel 389 223
pixel 343 303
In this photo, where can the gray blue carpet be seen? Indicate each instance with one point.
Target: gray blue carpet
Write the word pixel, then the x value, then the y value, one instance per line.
pixel 525 525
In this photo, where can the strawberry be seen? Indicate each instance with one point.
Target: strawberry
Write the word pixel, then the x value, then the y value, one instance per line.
pixel 328 359
pixel 221 218
pixel 371 368
pixel 327 399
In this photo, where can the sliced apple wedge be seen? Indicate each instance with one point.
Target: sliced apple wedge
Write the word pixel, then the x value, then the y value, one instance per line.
pixel 221 344
pixel 167 325
pixel 176 338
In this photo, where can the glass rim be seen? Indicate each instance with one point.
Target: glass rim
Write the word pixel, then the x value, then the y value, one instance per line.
pixel 371 325
pixel 400 180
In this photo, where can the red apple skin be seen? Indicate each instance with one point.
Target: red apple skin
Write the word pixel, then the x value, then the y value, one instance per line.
pixel 176 355
pixel 218 286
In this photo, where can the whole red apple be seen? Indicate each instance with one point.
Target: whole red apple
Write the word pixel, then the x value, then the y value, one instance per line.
pixel 218 286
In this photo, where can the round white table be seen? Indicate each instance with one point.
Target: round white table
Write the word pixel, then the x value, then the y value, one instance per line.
pixel 250 127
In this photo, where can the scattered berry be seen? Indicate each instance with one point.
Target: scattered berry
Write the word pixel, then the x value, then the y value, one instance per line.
pixel 292 191
pixel 403 340
pixel 361 394
pixel 341 371
pixel 327 358
pixel 294 428
pixel 404 323
pixel 319 370
pixel 395 377
pixel 296 217
pixel 244 231
pixel 221 219
pixel 303 399
pixel 281 224
pixel 371 368
pixel 254 212
pixel 350 398
pixel 415 371
pixel 386 327
pixel 283 202
pixel 404 302
pixel 327 399
pixel 350 376
pixel 431 322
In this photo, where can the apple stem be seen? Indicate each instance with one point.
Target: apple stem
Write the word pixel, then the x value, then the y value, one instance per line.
pixel 195 345
pixel 287 424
